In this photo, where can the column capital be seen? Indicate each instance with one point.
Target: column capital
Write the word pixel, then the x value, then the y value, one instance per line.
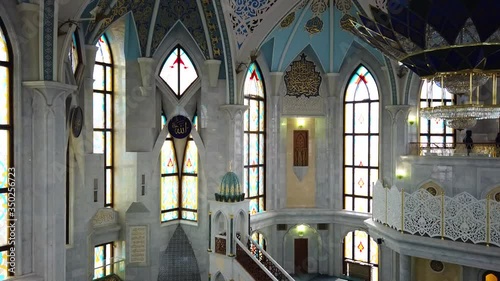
pixel 50 90
pixel 213 68
pixel 398 111
pixel 146 67
pixel 276 79
pixel 233 109
pixel 331 81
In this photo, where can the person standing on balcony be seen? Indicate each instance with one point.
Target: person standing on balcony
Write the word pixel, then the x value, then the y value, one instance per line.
pixel 468 141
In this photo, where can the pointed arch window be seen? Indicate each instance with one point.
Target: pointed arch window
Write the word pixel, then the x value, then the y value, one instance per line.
pixel 360 256
pixel 361 140
pixel 103 113
pixel 254 139
pixel 7 172
pixel 434 131
pixel 178 71
pixel 179 189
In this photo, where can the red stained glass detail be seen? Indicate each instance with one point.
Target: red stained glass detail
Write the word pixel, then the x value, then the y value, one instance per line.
pixel 361 78
pixel 361 183
pixel 170 163
pixel 254 75
pixel 188 164
pixel 178 61
pixel 361 247
pixel 361 163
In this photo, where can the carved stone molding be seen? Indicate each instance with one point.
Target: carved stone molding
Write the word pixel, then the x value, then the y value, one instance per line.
pixel 104 217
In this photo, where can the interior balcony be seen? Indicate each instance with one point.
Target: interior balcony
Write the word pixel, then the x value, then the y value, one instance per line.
pixel 426 223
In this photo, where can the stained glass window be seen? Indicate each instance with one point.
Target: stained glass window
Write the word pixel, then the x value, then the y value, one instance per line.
pixel 259 239
pixel 434 131
pixel 103 260
pixel 360 250
pixel 6 148
pixel 74 54
pixel 178 71
pixel 361 141
pixel 179 200
pixel 254 139
pixel 103 113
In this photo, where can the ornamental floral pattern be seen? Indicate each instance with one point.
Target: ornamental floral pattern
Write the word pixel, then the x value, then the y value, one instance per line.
pixel 247 15
pixel 461 218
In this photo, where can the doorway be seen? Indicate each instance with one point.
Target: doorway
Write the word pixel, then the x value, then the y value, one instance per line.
pixel 301 255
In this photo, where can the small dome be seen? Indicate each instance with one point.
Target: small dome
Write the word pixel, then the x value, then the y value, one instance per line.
pixel 230 189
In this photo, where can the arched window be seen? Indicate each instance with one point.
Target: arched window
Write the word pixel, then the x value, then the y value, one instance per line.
pixel 491 276
pixel 361 140
pixel 7 172
pixel 434 131
pixel 360 256
pixel 169 179
pixel 189 191
pixel 181 197
pixel 254 181
pixel 103 113
pixel 178 71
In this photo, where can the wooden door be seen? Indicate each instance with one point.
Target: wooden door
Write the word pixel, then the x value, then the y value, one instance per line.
pixel 301 255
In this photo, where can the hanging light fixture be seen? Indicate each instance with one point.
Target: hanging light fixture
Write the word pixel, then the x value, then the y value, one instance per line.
pixel 465 116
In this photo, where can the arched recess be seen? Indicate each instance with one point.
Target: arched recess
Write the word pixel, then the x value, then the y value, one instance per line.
pixel 293 260
pixel 241 225
pixel 219 277
pixel 360 256
pixel 432 187
pixel 220 224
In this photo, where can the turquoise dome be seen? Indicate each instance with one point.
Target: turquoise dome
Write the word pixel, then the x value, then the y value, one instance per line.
pixel 230 189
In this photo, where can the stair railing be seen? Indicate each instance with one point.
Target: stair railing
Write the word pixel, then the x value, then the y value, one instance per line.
pixel 272 265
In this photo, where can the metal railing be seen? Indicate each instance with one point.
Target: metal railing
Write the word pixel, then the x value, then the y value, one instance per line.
pixel 481 149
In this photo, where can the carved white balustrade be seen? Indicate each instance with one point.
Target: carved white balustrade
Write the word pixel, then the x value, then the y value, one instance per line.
pixel 459 218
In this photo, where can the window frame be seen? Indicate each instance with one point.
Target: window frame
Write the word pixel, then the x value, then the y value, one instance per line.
pixel 179 48
pixel 370 167
pixel 263 133
pixel 428 135
pixel 110 257
pixel 106 130
pixel 9 65
pixel 354 248
pixel 180 174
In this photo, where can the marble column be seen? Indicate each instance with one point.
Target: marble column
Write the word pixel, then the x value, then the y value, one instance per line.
pixel 275 176
pixel 334 118
pixel 86 100
pixel 234 153
pixel 49 184
pixel 399 134
pixel 404 267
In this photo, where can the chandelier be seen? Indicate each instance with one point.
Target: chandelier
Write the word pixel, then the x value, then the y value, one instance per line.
pixel 457 47
pixel 464 116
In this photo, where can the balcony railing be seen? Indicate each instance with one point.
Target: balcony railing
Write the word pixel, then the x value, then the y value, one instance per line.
pixel 451 149
pixel 459 218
